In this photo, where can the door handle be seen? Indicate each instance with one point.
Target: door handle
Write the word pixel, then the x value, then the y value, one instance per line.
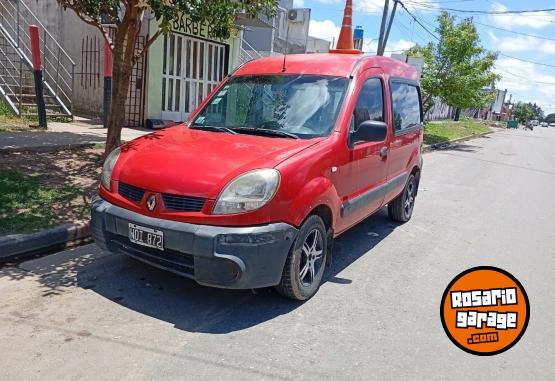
pixel 383 152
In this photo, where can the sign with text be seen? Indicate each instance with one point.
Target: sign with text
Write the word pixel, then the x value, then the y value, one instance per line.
pixel 193 28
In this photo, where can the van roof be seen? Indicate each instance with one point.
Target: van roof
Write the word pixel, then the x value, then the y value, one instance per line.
pixel 333 64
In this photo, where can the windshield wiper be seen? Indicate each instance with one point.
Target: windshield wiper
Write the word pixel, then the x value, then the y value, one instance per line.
pixel 214 128
pixel 266 131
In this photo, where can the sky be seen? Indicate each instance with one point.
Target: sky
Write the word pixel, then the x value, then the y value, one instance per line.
pixel 528 37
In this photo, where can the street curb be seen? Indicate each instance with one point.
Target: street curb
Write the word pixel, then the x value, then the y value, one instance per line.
pixel 24 245
pixel 445 145
pixel 50 148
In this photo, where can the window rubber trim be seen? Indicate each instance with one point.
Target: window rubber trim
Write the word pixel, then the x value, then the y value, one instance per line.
pixel 409 82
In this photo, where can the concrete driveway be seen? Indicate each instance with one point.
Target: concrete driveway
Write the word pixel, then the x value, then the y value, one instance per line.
pixel 88 315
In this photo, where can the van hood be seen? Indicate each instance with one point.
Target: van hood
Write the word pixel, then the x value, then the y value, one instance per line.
pixel 197 163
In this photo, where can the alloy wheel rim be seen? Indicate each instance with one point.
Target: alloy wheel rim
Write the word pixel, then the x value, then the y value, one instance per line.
pixel 409 198
pixel 311 258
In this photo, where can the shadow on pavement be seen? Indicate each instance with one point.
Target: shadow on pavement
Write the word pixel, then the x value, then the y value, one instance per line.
pixel 460 147
pixel 45 139
pixel 180 301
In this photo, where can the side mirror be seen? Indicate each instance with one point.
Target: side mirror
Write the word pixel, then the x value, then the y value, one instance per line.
pixel 369 131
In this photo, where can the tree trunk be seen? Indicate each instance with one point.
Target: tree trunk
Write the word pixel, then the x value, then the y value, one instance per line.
pixel 427 107
pixel 123 53
pixel 427 104
pixel 457 114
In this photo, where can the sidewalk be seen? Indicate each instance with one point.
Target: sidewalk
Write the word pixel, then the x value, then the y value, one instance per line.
pixel 80 131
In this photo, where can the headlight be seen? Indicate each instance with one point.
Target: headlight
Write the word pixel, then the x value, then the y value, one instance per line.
pixel 108 166
pixel 249 191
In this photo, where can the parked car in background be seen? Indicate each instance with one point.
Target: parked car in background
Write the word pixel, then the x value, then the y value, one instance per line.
pixel 281 158
pixel 544 124
pixel 551 124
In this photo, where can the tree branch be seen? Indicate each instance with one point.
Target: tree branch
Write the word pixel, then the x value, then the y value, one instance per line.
pixel 147 45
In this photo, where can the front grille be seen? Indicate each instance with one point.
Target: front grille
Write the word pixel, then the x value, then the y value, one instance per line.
pixel 131 192
pixel 168 259
pixel 183 203
pixel 171 202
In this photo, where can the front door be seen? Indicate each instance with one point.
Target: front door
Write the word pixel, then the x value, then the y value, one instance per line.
pixel 371 156
pixel 191 69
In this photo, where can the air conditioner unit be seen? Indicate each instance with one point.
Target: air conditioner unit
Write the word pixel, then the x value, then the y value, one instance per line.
pixel 296 15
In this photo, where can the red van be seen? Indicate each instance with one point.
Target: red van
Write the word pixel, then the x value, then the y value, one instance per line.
pixel 278 161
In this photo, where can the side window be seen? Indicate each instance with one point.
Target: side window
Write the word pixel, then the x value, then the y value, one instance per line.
pixel 406 106
pixel 369 104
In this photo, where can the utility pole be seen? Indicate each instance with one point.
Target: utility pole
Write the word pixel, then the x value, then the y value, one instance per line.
pixel 382 27
pixel 384 30
pixel 384 43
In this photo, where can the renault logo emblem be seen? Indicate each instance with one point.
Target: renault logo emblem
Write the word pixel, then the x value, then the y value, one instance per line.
pixel 151 202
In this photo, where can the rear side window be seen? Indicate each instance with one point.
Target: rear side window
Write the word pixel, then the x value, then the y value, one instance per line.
pixel 370 102
pixel 407 113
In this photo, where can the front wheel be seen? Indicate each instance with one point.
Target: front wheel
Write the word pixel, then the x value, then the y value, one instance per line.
pixel 304 267
pixel 401 208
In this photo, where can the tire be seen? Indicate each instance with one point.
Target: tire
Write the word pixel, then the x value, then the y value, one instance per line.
pixel 400 209
pixel 306 262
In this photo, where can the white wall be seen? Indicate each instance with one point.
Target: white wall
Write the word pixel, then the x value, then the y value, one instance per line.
pixel 317 45
pixel 71 33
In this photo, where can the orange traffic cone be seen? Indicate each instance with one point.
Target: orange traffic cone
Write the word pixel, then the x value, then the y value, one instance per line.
pixel 345 41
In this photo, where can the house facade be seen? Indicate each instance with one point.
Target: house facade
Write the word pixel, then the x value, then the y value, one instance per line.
pixel 184 66
pixel 283 33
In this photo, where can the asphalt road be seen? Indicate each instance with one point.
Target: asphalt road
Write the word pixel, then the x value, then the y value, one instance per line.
pixel 85 314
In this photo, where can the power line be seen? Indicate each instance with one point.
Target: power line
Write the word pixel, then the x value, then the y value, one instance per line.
pixel 501 54
pixel 446 1
pixel 530 17
pixel 428 22
pixel 483 12
pixel 418 21
pixel 528 80
pixel 406 28
pixel 425 20
pixel 524 13
pixel 443 2
pixel 512 31
pixel 523 60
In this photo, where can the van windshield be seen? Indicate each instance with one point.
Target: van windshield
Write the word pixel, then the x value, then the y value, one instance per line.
pixel 298 106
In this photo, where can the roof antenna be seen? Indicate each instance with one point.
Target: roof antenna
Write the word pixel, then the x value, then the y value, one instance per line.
pixel 286 47
pixel 345 42
pixel 292 14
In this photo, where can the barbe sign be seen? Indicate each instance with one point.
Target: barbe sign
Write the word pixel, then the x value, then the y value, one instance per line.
pixel 187 26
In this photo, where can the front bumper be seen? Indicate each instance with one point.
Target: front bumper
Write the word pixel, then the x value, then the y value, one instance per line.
pixel 227 257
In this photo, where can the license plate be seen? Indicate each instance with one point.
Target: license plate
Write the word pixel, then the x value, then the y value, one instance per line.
pixel 146 236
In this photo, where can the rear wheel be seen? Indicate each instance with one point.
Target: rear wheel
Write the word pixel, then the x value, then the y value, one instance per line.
pixel 304 268
pixel 401 208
